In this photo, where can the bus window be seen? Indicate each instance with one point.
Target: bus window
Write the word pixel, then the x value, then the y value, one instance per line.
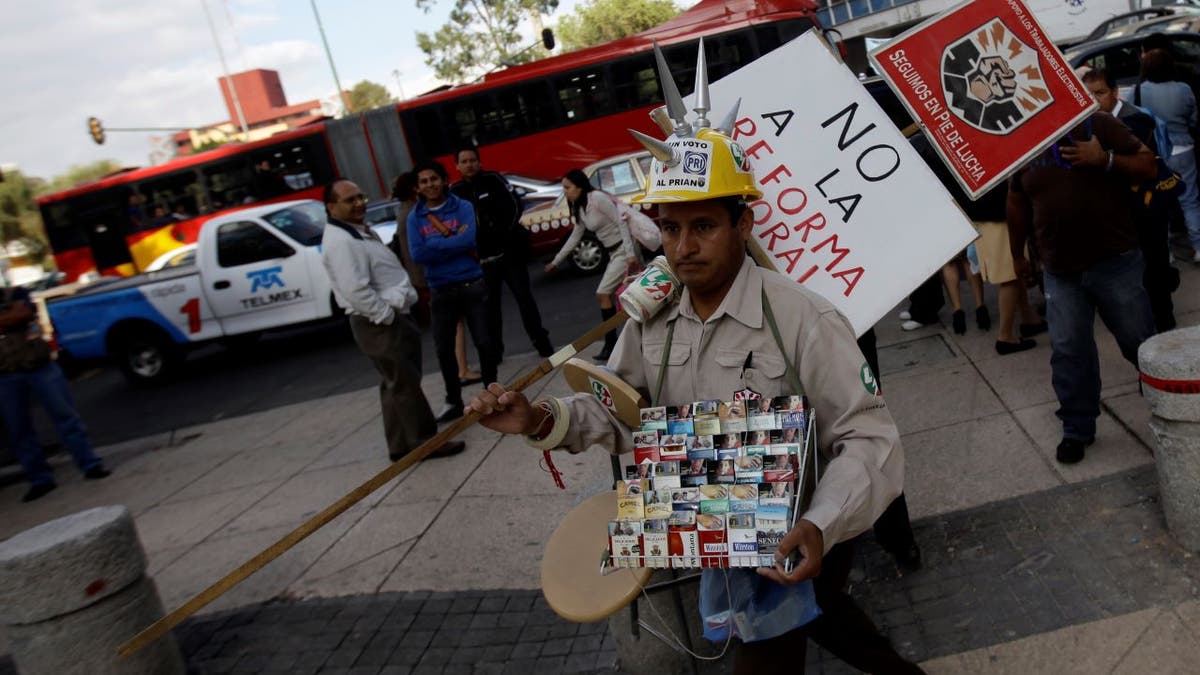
pixel 635 83
pixel 468 121
pixel 230 183
pixel 524 109
pixel 180 193
pixel 726 53
pixel 301 164
pixel 682 60
pixel 62 231
pixel 428 140
pixel 583 95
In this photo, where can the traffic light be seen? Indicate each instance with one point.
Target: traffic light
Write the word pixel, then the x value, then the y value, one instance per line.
pixel 96 130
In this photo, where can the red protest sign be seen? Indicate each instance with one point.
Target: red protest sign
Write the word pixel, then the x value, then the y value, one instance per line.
pixel 987 84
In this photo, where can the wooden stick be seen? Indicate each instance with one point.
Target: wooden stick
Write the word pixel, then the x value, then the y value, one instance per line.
pixel 160 627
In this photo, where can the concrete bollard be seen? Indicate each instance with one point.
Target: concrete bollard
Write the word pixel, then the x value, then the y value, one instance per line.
pixel 1170 367
pixel 73 589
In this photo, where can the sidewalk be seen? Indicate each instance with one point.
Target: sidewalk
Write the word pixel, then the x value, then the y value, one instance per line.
pixel 1030 566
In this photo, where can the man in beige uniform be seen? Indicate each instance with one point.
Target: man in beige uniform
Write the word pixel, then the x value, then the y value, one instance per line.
pixel 718 340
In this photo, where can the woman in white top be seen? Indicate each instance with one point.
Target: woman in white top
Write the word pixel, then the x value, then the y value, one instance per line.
pixel 596 210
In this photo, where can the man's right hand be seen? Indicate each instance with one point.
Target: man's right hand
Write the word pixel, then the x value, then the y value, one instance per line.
pixel 508 412
pixel 1024 271
pixel 551 268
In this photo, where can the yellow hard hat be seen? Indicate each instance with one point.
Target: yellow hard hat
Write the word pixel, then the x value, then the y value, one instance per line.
pixel 696 162
pixel 708 165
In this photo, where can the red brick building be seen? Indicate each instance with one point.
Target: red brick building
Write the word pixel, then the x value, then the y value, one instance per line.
pixel 265 106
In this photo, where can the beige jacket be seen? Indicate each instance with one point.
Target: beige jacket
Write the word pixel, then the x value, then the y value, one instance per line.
pixel 864 463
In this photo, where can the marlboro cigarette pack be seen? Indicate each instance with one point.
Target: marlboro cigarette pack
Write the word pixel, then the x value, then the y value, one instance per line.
pixel 654 542
pixel 713 484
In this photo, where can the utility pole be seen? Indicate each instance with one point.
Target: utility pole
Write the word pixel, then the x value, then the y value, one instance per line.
pixel 237 104
pixel 329 55
pixel 399 85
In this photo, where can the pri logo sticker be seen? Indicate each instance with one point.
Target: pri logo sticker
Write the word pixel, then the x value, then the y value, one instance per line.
pixel 868 379
pixel 265 278
pixel 695 163
pixel 993 80
pixel 740 160
pixel 602 394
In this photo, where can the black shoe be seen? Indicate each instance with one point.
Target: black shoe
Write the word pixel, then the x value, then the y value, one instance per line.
pixel 450 413
pixel 959 321
pixel 1070 450
pixel 908 559
pixel 449 449
pixel 38 491
pixel 467 381
pixel 546 350
pixel 96 473
pixel 1031 329
pixel 982 318
pixel 1006 348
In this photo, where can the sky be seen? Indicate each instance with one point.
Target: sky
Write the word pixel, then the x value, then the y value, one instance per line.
pixel 153 63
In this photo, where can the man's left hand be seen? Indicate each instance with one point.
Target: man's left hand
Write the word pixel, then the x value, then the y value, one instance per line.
pixel 1086 153
pixel 807 540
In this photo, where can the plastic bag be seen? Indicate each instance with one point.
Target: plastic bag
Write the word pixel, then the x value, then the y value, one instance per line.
pixel 755 608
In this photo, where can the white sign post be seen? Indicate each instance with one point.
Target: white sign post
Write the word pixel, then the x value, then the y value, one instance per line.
pixel 849 209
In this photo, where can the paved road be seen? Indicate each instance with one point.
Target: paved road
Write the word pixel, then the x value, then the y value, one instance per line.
pixel 290 367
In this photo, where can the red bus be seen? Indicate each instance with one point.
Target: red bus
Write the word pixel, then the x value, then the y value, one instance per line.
pixel 538 119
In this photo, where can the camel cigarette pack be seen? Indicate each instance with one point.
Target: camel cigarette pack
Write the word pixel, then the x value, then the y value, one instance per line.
pixel 654 542
pixel 631 503
pixel 658 503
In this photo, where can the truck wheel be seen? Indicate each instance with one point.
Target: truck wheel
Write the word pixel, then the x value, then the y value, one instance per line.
pixel 147 357
pixel 589 256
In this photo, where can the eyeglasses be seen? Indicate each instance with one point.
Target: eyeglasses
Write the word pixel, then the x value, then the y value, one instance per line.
pixel 354 198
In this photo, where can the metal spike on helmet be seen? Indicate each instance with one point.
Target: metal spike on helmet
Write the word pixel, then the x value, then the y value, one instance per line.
pixel 675 109
pixel 658 149
pixel 730 119
pixel 660 117
pixel 703 104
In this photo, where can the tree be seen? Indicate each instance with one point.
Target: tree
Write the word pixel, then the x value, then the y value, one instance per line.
pixel 600 21
pixel 81 173
pixel 481 36
pixel 366 95
pixel 19 217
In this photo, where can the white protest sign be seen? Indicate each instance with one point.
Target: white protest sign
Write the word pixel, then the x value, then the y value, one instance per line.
pixel 849 209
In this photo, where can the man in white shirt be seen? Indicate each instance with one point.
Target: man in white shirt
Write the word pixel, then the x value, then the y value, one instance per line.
pixel 372 286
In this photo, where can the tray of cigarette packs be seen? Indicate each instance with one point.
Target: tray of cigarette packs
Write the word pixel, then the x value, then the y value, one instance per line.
pixel 713 484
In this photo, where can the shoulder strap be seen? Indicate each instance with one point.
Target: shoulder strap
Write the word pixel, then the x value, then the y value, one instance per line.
pixel 792 375
pixel 662 366
pixel 1137 94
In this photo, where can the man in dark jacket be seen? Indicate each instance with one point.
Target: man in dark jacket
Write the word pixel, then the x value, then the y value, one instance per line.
pixel 503 246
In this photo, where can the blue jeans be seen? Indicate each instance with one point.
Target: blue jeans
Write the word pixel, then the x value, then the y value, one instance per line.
pixel 1114 288
pixel 49 386
pixel 1184 164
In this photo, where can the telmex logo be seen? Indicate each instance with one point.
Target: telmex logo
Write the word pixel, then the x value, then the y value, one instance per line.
pixel 265 278
pixel 993 80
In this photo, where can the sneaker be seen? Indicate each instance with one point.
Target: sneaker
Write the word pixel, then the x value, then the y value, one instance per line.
pixel 982 318
pixel 1031 329
pixel 1006 348
pixel 905 315
pixel 38 491
pixel 959 321
pixel 911 325
pixel 450 413
pixel 97 473
pixel 1070 450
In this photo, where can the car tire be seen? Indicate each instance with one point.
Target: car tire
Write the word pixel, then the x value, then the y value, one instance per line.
pixel 589 257
pixel 146 356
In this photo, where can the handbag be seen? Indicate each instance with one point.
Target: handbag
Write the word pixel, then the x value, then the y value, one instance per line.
pixel 641 228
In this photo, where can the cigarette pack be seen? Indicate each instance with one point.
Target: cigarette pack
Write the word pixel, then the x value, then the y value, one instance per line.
pixel 630 501
pixel 644 470
pixel 654 419
pixel 702 453
pixel 775 494
pixel 761 416
pixel 748 469
pixel 714 499
pixel 782 436
pixel 729 453
pixel 683 543
pixel 626 539
pixel 646 453
pixel 685 499
pixel 726 472
pixel 760 437
pixel 658 503
pixel 666 475
pixel 733 417
pixel 714 543
pixel 731 441
pixel 743 540
pixel 672 447
pixel 743 498
pixel 654 542
pixel 790 410
pixel 679 420
pixel 778 468
pixel 771 523
pixel 710 424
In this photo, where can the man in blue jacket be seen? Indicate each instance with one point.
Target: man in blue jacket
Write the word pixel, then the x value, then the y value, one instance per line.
pixel 441 237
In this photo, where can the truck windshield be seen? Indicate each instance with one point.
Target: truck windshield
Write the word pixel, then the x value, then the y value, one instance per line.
pixel 304 223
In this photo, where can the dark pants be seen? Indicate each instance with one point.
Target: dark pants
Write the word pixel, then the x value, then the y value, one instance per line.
pixel 1159 278
pixel 512 270
pixel 448 304
pixel 843 629
pixel 49 387
pixel 926 300
pixel 395 351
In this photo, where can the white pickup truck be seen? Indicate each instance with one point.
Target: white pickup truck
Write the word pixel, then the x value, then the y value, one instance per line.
pixel 254 270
